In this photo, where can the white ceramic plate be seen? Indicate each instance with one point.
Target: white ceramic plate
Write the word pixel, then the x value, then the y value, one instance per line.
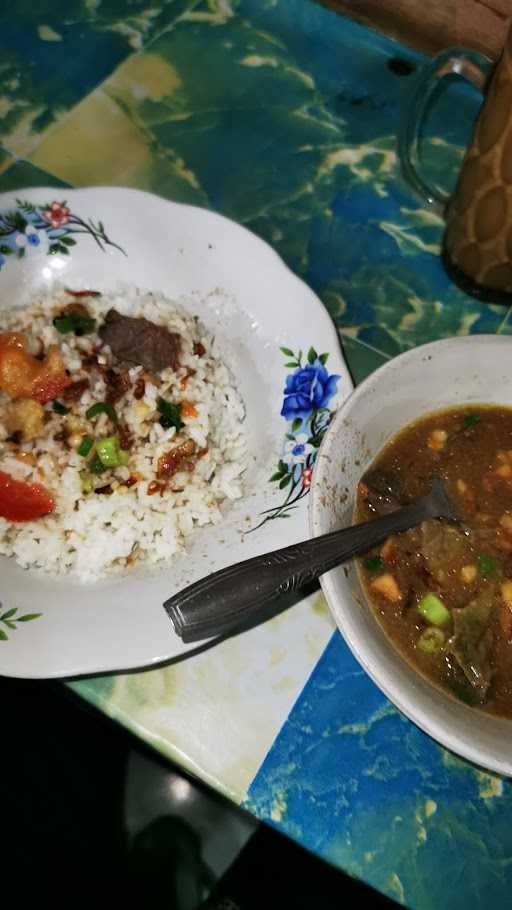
pixel 445 373
pixel 243 292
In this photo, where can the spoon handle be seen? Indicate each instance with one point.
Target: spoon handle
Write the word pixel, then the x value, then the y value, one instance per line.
pixel 222 601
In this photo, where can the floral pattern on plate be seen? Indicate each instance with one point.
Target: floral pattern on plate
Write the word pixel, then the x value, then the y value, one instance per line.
pixel 9 618
pixel 51 226
pixel 307 393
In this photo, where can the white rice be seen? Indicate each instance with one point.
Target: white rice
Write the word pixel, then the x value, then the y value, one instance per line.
pixel 93 535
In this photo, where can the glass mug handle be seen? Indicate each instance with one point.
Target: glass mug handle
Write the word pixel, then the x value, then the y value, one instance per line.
pixel 474 67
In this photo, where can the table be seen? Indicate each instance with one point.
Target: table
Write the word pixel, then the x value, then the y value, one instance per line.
pixel 282 115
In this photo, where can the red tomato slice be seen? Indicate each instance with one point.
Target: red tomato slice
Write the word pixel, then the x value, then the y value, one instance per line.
pixel 20 501
pixel 49 386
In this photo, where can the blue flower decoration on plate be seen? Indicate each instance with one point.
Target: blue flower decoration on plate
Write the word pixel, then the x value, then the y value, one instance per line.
pixel 308 392
pixel 308 388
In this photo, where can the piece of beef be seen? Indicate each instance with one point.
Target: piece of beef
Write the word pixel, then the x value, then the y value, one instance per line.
pixel 444 547
pixel 125 437
pixel 138 341
pixel 75 309
pixel 90 362
pixel 407 564
pixel 472 642
pixel 75 390
pixel 383 491
pixel 140 388
pixel 175 460
pixel 117 385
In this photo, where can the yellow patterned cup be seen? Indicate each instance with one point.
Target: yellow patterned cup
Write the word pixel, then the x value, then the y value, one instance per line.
pixel 477 246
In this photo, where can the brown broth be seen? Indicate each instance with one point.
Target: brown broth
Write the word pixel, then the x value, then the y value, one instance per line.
pixel 475 462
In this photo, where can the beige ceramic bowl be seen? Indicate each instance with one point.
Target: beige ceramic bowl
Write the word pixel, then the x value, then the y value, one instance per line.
pixel 443 374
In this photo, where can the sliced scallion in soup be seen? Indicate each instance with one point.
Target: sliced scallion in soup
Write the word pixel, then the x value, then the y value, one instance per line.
pixel 443 592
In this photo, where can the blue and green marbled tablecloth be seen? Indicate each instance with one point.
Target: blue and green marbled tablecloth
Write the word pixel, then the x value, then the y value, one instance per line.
pixel 282 116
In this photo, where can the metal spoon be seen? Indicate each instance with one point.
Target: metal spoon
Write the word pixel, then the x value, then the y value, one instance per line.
pixel 222 601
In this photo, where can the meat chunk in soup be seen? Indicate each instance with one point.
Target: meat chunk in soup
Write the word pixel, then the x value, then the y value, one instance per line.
pixel 472 641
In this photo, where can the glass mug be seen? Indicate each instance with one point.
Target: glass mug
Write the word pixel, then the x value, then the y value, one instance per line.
pixel 477 243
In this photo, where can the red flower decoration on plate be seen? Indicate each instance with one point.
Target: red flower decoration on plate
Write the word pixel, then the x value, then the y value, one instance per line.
pixel 307 474
pixel 57 214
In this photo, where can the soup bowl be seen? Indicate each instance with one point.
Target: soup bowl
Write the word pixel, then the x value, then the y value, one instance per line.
pixel 447 373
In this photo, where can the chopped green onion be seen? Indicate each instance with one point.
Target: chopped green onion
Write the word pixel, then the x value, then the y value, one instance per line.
pixel 470 420
pixel 59 408
pixel 101 407
pixel 486 565
pixel 96 466
pixel 170 414
pixel 374 563
pixel 63 324
pixel 431 640
pixel 74 322
pixel 110 453
pixel 433 610
pixel 85 482
pixel 85 446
